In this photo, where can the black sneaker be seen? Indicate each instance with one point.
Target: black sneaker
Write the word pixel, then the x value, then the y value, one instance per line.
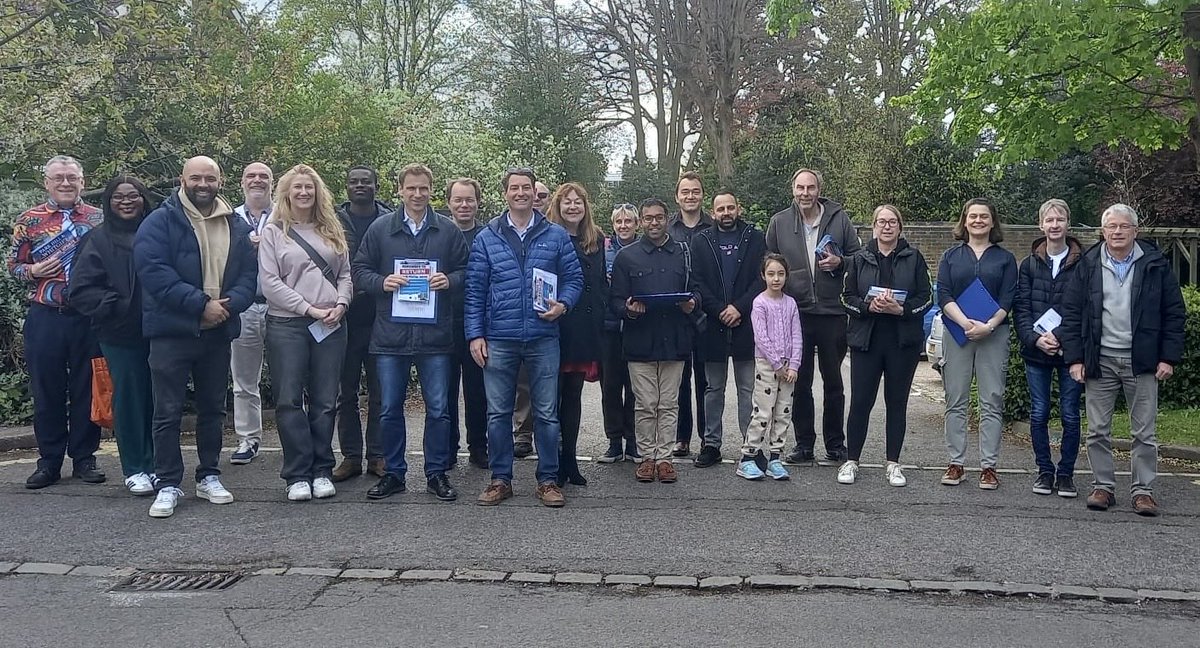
pixel 631 452
pixel 1066 486
pixel 833 458
pixel 88 473
pixel 708 456
pixel 522 450
pixel 799 457
pixel 441 489
pixel 614 453
pixel 1044 484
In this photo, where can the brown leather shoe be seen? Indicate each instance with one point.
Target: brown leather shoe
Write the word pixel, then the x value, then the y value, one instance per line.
pixel 377 467
pixel 666 472
pixel 646 471
pixel 347 469
pixel 1100 500
pixel 1145 505
pixel 988 479
pixel 953 475
pixel 496 492
pixel 551 495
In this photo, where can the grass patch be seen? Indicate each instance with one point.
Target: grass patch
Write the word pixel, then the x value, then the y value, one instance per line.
pixel 1175 427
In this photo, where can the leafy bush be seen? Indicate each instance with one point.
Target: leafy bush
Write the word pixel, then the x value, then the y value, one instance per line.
pixel 1180 392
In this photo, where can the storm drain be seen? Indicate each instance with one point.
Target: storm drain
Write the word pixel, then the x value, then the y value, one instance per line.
pixel 181 580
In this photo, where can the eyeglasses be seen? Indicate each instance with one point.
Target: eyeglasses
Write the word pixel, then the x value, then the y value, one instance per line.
pixel 126 198
pixel 655 218
pixel 59 179
pixel 1118 227
pixel 887 222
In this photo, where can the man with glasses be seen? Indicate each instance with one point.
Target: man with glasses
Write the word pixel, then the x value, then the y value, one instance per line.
pixel 246 352
pixel 1123 331
pixel 59 342
pixel 507 332
pixel 684 224
pixel 656 297
pixel 463 197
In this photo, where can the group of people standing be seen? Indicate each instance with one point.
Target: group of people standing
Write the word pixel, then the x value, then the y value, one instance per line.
pixel 196 289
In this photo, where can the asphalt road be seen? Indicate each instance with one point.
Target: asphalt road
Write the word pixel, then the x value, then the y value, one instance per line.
pixel 710 523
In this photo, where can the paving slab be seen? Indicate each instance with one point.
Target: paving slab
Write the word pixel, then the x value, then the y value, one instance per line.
pixel 426 574
pixel 378 574
pixel 676 582
pixel 52 569
pixel 628 579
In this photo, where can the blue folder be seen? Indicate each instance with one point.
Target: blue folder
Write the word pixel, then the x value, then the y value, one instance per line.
pixel 976 303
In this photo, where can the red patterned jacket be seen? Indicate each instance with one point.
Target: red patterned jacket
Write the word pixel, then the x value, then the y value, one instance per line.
pixel 34 232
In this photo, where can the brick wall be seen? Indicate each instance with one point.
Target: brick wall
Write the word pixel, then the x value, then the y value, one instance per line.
pixel 934 238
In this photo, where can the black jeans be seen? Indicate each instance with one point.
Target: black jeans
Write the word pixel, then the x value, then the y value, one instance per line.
pixel 824 346
pixel 349 418
pixel 693 368
pixel 172 360
pixel 302 367
pixel 570 411
pixel 616 392
pixel 463 369
pixel 59 347
pixel 896 365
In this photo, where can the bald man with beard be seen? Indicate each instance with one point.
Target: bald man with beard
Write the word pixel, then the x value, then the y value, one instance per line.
pixel 199 271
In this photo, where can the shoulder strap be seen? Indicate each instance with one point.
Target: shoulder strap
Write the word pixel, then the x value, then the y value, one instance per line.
pixel 317 259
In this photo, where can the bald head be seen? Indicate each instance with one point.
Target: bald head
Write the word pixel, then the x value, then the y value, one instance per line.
pixel 256 183
pixel 201 181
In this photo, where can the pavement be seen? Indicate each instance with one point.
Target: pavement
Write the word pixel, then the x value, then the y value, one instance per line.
pixel 867 563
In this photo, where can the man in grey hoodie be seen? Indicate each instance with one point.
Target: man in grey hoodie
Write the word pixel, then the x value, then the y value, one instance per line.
pixel 815 281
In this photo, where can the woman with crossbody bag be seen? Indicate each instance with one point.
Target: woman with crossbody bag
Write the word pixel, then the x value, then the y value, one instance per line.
pixel 304 273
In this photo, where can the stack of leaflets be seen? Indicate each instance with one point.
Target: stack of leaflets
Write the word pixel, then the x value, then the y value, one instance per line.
pixel 545 289
pixel 898 295
pixel 61 246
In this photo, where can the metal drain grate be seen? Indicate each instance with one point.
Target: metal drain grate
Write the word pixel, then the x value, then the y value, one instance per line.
pixel 180 580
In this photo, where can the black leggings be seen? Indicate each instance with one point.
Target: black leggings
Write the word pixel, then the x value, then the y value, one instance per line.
pixel 570 410
pixel 896 365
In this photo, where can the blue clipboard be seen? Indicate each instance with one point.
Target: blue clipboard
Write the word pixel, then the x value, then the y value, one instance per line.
pixel 663 299
pixel 976 303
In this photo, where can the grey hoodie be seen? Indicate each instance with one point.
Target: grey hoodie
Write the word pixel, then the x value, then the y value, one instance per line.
pixel 818 293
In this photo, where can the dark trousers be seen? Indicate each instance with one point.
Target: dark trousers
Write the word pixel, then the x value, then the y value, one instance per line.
pixel 474 397
pixel 824 346
pixel 349 418
pixel 570 411
pixel 896 365
pixel 616 392
pixel 59 347
pixel 172 360
pixel 692 369
pixel 133 406
pixel 302 367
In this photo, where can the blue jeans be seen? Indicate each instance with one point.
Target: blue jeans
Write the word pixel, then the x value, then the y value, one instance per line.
pixel 433 372
pixel 1039 378
pixel 504 360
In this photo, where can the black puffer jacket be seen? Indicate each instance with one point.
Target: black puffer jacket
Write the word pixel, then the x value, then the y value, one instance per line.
pixel 582 328
pixel 1038 290
pixel 104 285
pixel 718 340
pixel 1159 314
pixel 909 273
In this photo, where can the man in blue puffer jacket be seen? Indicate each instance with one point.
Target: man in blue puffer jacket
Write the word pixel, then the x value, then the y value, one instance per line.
pixel 505 331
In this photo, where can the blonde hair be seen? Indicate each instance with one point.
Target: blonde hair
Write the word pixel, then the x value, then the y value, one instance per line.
pixel 1054 203
pixel 891 208
pixel 328 226
pixel 590 235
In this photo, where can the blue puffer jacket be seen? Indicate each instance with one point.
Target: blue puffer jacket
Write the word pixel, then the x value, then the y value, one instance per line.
pixel 499 299
pixel 167 259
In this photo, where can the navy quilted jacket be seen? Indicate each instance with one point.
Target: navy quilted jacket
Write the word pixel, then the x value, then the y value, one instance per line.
pixel 499 298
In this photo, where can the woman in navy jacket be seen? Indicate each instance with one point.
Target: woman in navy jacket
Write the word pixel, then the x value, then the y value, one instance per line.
pixel 984 357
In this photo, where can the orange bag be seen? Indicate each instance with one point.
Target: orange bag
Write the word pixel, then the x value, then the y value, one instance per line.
pixel 102 394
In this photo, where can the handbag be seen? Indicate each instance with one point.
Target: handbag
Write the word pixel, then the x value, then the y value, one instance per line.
pixel 102 394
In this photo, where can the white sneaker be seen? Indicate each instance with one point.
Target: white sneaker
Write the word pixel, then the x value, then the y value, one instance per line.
pixel 210 488
pixel 139 484
pixel 299 492
pixel 848 472
pixel 164 504
pixel 322 488
pixel 895 477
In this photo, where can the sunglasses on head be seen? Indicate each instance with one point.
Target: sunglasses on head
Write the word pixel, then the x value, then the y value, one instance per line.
pixel 543 194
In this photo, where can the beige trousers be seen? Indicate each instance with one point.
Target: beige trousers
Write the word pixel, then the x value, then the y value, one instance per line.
pixel 771 419
pixel 656 406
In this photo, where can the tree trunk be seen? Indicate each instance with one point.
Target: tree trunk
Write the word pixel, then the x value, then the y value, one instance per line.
pixel 1191 59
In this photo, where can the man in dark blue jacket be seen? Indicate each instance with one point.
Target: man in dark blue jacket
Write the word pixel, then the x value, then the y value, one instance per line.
pixel 1123 331
pixel 727 259
pixel 198 271
pixel 507 332
pixel 1042 282
pixel 407 337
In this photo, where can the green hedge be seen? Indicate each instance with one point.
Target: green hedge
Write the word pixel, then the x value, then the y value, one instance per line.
pixel 1181 391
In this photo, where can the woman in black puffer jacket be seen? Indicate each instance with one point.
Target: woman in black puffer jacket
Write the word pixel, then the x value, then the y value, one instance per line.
pixel 581 330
